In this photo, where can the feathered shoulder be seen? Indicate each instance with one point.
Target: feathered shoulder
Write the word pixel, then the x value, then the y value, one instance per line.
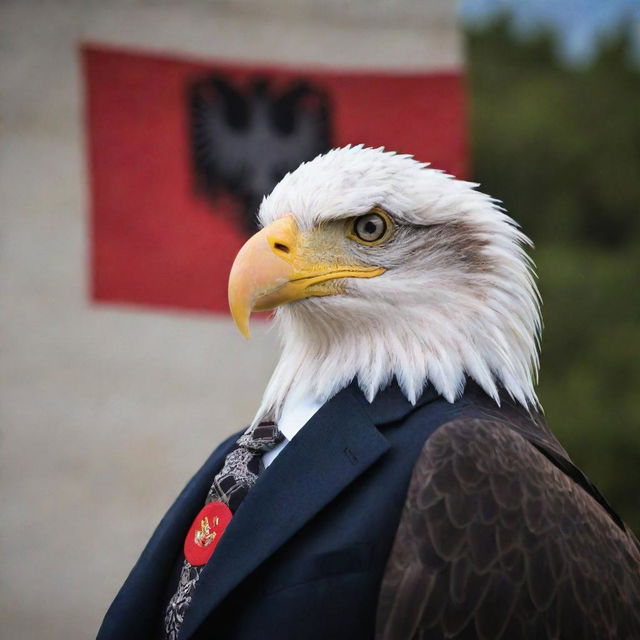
pixel 502 537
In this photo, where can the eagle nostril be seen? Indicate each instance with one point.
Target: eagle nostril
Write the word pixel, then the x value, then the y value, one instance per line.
pixel 282 248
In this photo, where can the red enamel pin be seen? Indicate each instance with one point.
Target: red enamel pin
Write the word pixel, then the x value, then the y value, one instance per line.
pixel 205 532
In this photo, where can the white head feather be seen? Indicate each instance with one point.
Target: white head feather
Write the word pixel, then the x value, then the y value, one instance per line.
pixel 458 298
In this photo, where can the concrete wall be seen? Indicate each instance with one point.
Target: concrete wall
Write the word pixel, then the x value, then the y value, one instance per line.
pixel 106 411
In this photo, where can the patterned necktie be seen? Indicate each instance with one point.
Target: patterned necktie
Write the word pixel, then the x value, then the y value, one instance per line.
pixel 230 486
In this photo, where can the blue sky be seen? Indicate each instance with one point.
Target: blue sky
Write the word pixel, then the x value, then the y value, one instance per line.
pixel 579 24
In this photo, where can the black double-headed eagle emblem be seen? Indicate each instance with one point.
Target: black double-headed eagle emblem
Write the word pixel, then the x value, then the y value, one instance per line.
pixel 244 139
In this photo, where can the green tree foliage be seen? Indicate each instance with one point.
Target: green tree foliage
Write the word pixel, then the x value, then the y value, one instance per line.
pixel 561 148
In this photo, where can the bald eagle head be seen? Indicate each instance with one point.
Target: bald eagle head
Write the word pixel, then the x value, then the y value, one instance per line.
pixel 378 268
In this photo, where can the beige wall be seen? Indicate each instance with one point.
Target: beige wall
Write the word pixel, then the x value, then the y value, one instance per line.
pixel 106 411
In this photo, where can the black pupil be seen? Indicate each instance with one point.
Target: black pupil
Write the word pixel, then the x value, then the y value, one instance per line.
pixel 370 227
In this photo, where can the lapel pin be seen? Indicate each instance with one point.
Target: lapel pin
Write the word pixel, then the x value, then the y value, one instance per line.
pixel 205 532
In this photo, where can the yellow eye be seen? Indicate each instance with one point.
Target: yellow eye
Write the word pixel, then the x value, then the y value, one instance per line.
pixel 371 228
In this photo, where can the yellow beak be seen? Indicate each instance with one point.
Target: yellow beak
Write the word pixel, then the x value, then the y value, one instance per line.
pixel 275 266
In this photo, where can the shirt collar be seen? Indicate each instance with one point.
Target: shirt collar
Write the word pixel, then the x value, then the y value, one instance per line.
pixel 297 410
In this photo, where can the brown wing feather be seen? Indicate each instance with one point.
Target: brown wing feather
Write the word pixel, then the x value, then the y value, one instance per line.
pixel 495 542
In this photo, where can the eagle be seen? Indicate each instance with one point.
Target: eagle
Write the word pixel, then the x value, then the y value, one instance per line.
pixel 382 270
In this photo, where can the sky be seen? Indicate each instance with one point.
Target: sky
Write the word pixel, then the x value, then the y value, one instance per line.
pixel 578 24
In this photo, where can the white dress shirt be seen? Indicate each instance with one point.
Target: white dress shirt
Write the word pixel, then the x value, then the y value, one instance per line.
pixel 297 410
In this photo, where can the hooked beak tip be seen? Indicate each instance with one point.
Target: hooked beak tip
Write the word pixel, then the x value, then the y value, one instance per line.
pixel 244 330
pixel 241 314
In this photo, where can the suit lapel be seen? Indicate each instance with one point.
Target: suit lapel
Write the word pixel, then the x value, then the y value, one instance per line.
pixel 337 445
pixel 144 588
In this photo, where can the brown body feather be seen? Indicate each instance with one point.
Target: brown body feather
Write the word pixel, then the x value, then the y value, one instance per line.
pixel 502 538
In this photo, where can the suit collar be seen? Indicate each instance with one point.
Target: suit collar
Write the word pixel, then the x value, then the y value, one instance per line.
pixel 390 404
pixel 336 446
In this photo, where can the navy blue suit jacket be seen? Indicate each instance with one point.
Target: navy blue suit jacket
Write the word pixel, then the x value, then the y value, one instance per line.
pixel 305 554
